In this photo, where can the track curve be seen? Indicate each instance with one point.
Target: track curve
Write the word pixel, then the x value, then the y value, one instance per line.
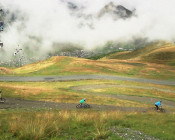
pixel 142 99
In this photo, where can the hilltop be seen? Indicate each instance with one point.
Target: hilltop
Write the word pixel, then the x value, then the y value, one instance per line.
pixel 63 65
pixel 159 52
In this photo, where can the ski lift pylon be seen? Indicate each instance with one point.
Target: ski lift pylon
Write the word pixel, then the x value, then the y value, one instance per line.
pixel 1 44
pixel 1 26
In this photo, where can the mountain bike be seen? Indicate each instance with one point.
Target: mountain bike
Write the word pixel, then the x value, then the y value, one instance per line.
pixel 160 109
pixel 2 100
pixel 83 106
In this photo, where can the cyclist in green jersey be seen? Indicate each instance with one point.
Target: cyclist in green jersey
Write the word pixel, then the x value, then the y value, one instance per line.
pixel 82 102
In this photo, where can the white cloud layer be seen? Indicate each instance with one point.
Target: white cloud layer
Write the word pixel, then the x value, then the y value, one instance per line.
pixel 52 21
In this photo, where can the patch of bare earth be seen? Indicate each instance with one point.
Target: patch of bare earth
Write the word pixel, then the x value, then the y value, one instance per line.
pixel 4 70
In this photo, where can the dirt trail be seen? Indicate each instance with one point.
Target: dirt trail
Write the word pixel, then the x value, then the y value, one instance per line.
pixel 29 104
pixel 86 87
pixel 81 77
pixel 146 100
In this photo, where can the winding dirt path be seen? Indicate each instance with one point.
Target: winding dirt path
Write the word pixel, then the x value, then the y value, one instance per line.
pixel 14 103
pixel 143 99
pixel 86 87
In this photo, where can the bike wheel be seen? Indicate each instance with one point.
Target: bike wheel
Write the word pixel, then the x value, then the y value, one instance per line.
pixel 2 100
pixel 162 110
pixel 87 106
pixel 79 106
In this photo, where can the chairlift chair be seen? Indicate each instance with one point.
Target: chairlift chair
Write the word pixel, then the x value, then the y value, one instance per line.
pixel 1 44
pixel 1 26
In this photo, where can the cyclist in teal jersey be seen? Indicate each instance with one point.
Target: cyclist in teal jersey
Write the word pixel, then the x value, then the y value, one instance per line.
pixel 82 102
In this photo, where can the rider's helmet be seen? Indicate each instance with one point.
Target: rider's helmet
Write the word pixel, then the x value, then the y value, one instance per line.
pixel 84 99
pixel 160 100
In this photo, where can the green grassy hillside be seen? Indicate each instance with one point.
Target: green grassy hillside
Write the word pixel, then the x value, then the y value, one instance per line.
pixel 159 52
pixel 74 66
pixel 62 65
pixel 155 61
pixel 60 124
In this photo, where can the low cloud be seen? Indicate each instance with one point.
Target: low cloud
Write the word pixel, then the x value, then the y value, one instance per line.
pixel 38 24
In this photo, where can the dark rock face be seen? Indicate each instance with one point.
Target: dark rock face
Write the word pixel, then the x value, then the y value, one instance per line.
pixel 1 14
pixel 117 11
pixel 72 6
pixel 123 12
pixel 111 9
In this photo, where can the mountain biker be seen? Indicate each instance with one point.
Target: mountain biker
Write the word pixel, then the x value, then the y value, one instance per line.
pixel 82 102
pixel 158 104
pixel 0 94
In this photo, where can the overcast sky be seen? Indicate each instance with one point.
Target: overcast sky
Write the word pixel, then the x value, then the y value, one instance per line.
pixel 52 21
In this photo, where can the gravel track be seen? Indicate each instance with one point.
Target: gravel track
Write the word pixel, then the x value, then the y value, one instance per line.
pixel 99 86
pixel 81 77
pixel 14 103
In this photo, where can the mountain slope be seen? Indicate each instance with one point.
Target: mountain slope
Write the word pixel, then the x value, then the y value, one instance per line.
pixel 117 11
pixel 60 65
pixel 159 52
pixel 4 70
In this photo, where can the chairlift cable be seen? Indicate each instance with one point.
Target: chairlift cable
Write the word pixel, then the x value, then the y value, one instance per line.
pixel 8 26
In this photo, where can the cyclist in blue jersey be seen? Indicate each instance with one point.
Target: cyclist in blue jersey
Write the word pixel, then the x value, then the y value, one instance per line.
pixel 0 94
pixel 158 104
